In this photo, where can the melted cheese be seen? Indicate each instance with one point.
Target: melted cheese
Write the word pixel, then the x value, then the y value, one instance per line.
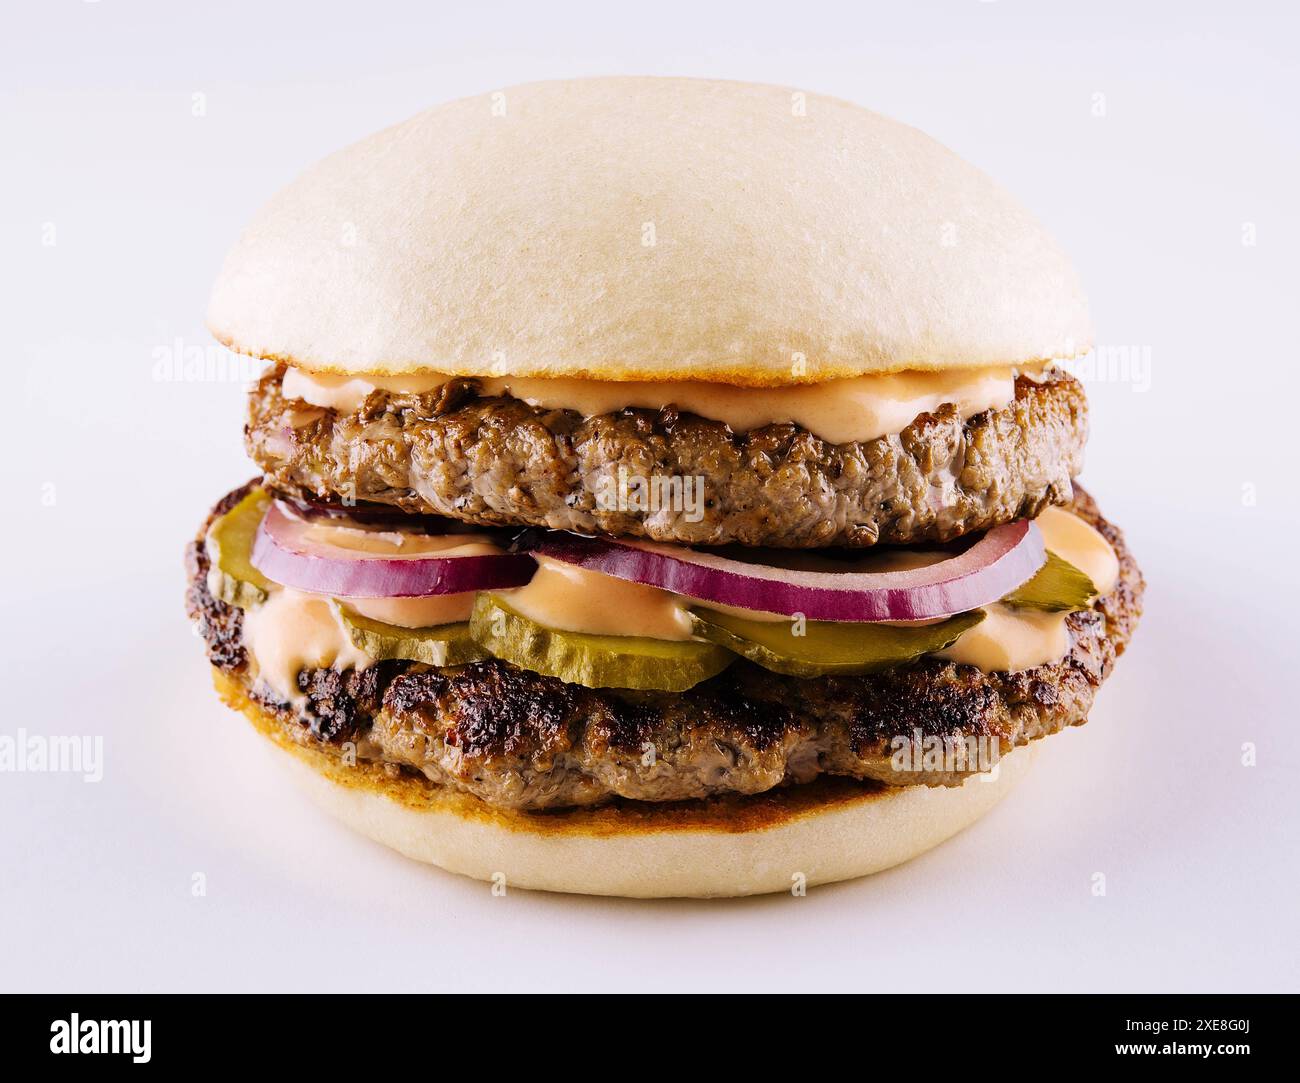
pixel 571 599
pixel 839 411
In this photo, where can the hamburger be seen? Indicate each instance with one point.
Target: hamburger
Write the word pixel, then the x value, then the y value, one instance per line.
pixel 665 489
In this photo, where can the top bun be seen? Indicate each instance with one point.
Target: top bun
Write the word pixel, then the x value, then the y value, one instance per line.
pixel 648 229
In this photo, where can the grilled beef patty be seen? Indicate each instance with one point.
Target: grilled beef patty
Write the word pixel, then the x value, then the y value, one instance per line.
pixel 499 461
pixel 520 740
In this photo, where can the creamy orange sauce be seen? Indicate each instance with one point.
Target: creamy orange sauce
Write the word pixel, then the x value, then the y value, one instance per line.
pixel 293 631
pixel 1070 538
pixel 571 599
pixel 399 544
pixel 347 393
pixel 839 411
pixel 1009 640
pixel 415 612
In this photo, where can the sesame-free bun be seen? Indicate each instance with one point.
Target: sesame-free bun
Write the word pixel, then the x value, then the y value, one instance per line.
pixel 648 229
pixel 828 830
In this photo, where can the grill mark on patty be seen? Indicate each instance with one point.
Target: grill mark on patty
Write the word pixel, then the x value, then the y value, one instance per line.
pixel 934 703
pixel 497 461
pixel 342 703
pixel 490 708
pixel 519 739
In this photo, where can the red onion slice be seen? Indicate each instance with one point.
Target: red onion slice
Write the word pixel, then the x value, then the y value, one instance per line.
pixel 283 552
pixel 1003 559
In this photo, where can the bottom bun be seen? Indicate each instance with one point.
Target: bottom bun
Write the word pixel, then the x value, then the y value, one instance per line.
pixel 827 830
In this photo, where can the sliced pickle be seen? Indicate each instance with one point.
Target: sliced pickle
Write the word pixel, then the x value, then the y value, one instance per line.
pixel 442 645
pixel 230 544
pixel 1058 586
pixel 596 661
pixel 829 647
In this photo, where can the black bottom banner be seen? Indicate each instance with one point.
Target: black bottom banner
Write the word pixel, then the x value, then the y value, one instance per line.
pixel 336 1033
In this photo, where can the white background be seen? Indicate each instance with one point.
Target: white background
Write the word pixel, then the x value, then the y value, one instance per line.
pixel 107 471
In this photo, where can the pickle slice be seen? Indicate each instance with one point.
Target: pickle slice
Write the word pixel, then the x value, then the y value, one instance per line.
pixel 829 647
pixel 441 645
pixel 1057 586
pixel 230 544
pixel 596 661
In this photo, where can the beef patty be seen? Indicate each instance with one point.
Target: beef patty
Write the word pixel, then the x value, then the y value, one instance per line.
pixel 499 461
pixel 521 740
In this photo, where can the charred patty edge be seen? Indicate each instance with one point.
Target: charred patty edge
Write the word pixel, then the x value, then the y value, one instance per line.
pixel 521 740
